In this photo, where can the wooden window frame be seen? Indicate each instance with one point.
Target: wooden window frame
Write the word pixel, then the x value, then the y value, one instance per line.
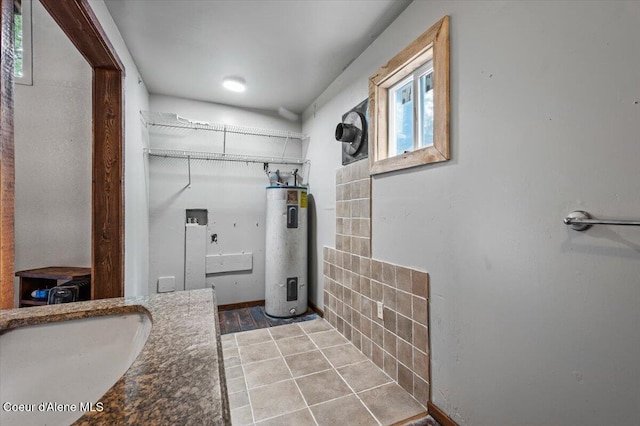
pixel 79 23
pixel 431 45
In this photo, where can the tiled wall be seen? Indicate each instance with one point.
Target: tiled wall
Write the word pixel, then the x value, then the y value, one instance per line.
pixel 354 283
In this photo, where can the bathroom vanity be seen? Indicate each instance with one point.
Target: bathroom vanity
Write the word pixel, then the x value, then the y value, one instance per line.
pixel 178 375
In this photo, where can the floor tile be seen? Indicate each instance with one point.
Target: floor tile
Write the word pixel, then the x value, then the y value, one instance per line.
pixel 233 372
pixel 390 403
pixel 323 386
pixel 266 372
pixel 241 416
pixel 363 375
pixel 285 331
pixel 345 410
pixel 294 345
pixel 228 338
pixel 343 355
pixel 236 385
pixel 230 352
pixel 328 338
pixel 323 379
pixel 315 326
pixel 238 399
pixel 275 400
pixel 252 337
pixel 229 344
pixel 232 362
pixel 297 418
pixel 307 363
pixel 258 352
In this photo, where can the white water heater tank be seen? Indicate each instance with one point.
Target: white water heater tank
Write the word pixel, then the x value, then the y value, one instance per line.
pixel 286 251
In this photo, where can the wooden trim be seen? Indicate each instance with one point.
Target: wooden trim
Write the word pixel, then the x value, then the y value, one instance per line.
pixel 7 158
pixel 409 68
pixel 77 20
pixel 81 25
pixel 240 305
pixel 409 53
pixel 432 44
pixel 408 159
pixel 440 415
pixel 108 189
pixel 411 419
pixel 442 90
pixel 315 309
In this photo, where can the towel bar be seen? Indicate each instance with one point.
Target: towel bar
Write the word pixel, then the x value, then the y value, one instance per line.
pixel 581 221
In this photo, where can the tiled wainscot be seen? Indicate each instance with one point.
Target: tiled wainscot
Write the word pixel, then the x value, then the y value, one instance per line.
pixel 399 341
pixel 354 283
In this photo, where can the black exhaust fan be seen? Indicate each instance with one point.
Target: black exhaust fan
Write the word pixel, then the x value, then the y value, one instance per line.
pixel 352 132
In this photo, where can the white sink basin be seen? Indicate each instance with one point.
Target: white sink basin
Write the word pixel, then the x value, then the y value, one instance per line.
pixel 67 362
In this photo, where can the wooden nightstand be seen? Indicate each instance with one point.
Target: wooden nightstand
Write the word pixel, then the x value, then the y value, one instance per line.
pixel 33 279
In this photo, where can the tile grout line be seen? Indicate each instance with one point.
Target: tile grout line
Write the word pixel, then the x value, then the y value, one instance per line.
pixel 397 369
pixel 309 334
pixel 340 375
pixel 320 371
pixel 244 376
pixel 294 381
pixel 296 353
pixel 284 380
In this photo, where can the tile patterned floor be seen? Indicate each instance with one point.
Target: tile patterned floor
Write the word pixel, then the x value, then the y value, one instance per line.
pixel 308 374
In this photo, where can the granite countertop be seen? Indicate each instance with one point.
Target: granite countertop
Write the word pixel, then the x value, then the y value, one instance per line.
pixel 178 377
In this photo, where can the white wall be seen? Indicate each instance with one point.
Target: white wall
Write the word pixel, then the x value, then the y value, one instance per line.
pixel 531 323
pixel 53 153
pixel 233 194
pixel 136 173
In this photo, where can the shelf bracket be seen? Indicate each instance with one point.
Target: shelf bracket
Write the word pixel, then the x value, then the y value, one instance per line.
pixel 189 165
pixel 285 146
pixel 224 141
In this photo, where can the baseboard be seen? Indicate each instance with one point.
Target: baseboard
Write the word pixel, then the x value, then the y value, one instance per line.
pixel 315 309
pixel 439 415
pixel 240 305
pixel 411 419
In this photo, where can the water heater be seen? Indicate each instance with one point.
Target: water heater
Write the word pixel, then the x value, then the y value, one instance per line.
pixel 286 251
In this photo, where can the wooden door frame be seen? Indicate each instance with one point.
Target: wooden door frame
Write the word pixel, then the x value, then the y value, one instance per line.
pixel 79 23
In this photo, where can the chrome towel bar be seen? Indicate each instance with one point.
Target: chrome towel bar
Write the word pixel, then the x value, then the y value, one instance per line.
pixel 581 221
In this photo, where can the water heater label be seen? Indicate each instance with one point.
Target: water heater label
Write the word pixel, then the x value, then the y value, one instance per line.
pixel 303 200
pixel 292 197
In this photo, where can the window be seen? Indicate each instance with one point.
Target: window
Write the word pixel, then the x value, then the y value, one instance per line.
pixel 411 122
pixel 409 99
pixel 22 41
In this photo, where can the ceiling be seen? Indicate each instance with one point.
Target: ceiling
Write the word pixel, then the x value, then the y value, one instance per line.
pixel 287 51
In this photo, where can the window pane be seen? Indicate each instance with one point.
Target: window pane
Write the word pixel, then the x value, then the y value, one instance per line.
pixel 17 47
pixel 426 109
pixel 403 120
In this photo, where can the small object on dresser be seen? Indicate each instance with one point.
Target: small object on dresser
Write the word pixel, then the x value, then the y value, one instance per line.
pixel 63 294
pixel 40 294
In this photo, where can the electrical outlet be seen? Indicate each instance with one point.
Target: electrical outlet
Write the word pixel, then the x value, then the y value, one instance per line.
pixel 166 284
pixel 379 310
